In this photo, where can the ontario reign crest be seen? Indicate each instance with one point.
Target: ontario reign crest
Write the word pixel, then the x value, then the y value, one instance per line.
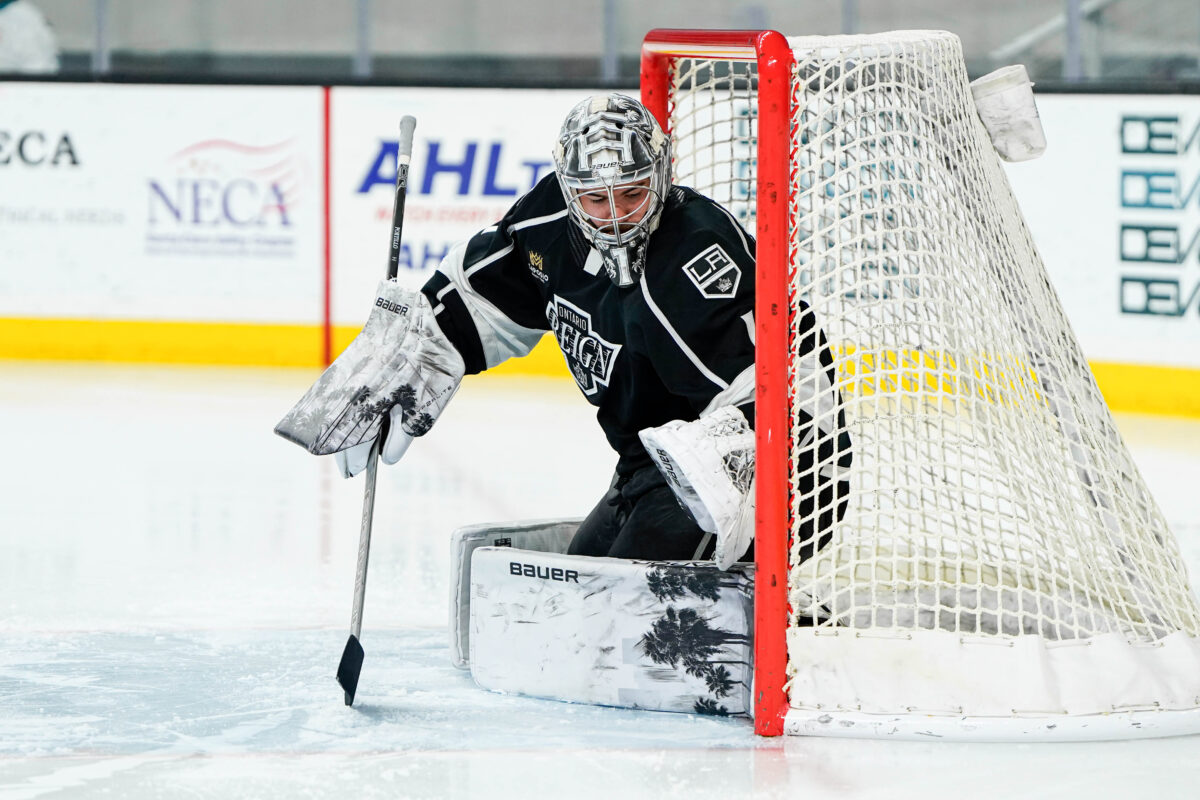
pixel 589 356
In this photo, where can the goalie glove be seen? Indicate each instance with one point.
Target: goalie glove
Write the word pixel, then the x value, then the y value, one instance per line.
pixel 400 364
pixel 709 464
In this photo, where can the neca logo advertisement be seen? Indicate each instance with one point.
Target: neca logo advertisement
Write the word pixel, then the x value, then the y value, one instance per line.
pixel 222 197
pixel 37 149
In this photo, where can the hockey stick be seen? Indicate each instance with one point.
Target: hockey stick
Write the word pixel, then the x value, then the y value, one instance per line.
pixel 352 657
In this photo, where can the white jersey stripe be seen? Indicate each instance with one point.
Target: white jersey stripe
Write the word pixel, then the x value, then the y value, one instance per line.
pixel 500 336
pixel 687 351
pixel 747 318
pixel 737 227
pixel 496 256
pixel 813 393
pixel 529 223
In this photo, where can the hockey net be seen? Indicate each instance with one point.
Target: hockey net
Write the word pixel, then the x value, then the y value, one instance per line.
pixel 1000 569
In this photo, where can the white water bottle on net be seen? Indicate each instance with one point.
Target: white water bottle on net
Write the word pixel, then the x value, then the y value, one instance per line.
pixel 999 569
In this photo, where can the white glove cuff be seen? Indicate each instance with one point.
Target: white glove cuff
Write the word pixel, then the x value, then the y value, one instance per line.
pixel 709 464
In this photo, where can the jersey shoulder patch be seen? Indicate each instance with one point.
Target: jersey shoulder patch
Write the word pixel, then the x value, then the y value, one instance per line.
pixel 714 273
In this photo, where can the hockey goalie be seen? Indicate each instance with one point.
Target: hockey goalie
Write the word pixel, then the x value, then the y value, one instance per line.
pixel 648 288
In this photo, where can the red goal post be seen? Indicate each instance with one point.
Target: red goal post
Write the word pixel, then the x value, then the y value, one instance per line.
pixel 773 57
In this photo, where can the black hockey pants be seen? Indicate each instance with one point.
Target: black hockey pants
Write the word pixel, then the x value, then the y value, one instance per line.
pixel 639 517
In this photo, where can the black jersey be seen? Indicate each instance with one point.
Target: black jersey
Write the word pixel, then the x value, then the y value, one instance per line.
pixel 677 343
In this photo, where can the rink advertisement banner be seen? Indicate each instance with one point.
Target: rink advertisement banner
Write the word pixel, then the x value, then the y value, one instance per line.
pixel 1114 206
pixel 474 153
pixel 160 202
pixel 201 211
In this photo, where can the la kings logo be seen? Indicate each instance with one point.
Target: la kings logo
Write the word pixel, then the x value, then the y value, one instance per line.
pixel 589 356
pixel 715 274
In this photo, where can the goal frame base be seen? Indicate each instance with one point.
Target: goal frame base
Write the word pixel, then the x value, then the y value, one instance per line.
pixel 1149 724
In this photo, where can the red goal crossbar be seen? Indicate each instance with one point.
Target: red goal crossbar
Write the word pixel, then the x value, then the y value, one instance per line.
pixel 772 316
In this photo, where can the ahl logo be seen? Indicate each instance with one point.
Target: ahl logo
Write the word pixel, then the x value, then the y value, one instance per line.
pixel 589 355
pixel 714 273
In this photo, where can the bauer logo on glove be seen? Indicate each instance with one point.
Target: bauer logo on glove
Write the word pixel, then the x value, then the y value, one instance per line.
pixel 400 363
pixel 388 305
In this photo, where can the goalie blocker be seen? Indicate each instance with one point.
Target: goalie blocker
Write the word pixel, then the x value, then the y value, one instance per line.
pixel 528 619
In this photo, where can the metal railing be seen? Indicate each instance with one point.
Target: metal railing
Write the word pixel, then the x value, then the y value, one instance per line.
pixel 519 42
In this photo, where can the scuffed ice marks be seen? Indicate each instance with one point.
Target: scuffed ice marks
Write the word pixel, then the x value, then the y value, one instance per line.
pixel 209 693
pixel 139 693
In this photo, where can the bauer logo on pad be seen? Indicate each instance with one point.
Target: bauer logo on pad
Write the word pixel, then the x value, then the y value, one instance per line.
pixel 714 273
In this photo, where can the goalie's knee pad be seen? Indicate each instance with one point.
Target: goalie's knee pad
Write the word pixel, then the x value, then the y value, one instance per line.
pixel 543 535
pixel 665 636
pixel 655 635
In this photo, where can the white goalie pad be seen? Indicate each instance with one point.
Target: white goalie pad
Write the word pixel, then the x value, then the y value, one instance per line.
pixel 663 636
pixel 399 359
pixel 709 465
pixel 542 535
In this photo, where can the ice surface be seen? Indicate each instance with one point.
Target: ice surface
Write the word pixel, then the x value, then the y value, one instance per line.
pixel 175 589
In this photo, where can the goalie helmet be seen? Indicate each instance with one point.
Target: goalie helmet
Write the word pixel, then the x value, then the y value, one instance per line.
pixel 610 146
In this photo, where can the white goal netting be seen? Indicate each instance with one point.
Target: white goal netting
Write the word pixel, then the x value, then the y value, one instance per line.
pixel 992 506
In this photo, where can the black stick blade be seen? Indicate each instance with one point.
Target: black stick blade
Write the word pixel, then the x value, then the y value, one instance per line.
pixel 350 667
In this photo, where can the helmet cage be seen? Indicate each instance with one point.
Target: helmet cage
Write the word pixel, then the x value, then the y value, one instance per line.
pixel 607 143
pixel 615 228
